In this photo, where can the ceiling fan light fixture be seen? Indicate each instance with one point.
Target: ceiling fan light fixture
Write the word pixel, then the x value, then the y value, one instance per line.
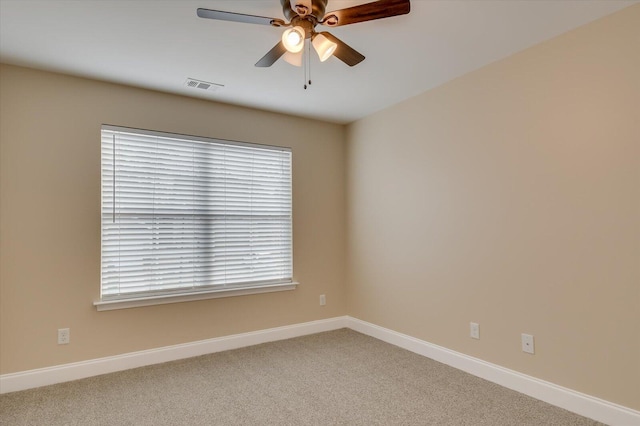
pixel 323 46
pixel 293 39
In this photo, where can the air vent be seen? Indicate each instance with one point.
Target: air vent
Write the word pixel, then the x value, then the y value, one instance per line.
pixel 202 85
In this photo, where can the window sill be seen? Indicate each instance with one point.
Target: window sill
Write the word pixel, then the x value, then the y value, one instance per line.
pixel 108 305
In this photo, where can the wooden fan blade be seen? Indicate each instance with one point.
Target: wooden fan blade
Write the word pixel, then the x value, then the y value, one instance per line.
pixel 344 52
pixel 236 17
pixel 272 56
pixel 367 12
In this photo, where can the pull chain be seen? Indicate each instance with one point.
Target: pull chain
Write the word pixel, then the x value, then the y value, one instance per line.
pixel 309 61
pixel 304 69
pixel 306 64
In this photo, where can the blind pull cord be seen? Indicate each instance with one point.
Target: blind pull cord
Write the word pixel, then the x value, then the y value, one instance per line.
pixel 114 178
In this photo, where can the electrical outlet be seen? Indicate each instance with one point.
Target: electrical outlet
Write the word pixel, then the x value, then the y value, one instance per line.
pixel 527 343
pixel 323 300
pixel 64 336
pixel 474 330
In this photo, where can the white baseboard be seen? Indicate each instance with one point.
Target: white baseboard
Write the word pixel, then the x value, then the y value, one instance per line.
pixel 80 370
pixel 585 405
pixel 579 403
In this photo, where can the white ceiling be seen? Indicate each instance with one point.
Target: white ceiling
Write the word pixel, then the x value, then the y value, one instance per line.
pixel 159 44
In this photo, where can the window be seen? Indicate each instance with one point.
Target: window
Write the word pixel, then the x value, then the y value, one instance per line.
pixel 185 215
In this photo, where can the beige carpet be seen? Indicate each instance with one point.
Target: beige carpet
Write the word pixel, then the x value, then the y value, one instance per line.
pixel 334 378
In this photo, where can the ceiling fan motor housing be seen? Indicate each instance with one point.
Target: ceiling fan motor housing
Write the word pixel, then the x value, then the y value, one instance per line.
pixel 318 8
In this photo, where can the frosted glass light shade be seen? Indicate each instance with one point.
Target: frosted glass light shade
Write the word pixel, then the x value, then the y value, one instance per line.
pixel 294 59
pixel 293 39
pixel 323 46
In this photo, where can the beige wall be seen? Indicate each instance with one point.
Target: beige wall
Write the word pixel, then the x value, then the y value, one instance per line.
pixel 510 197
pixel 50 219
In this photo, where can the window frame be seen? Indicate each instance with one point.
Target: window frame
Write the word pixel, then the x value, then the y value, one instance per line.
pixel 175 295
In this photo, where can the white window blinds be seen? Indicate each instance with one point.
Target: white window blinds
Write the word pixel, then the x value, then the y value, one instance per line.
pixel 183 214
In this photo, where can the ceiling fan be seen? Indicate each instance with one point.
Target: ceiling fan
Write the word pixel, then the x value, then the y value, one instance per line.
pixel 303 17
